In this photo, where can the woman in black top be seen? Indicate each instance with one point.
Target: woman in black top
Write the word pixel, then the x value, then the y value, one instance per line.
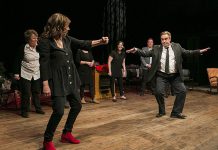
pixel 86 65
pixel 59 75
pixel 116 65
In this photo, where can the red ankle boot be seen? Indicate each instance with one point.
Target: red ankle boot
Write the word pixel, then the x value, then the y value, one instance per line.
pixel 69 138
pixel 48 146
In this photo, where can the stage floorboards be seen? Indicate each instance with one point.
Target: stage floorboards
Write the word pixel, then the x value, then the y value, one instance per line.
pixel 125 125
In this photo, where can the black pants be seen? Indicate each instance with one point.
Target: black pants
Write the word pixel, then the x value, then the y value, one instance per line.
pixel 145 84
pixel 30 89
pixel 91 89
pixel 120 84
pixel 58 111
pixel 178 88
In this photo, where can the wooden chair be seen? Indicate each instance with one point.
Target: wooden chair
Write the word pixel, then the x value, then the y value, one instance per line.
pixel 133 77
pixel 10 96
pixel 213 79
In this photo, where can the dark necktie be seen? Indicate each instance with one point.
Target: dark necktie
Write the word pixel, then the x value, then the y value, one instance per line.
pixel 167 61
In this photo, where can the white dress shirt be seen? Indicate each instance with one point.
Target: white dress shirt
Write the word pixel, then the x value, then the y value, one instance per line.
pixel 150 58
pixel 172 60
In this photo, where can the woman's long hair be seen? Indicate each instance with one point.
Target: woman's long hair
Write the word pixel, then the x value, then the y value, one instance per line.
pixel 116 48
pixel 55 26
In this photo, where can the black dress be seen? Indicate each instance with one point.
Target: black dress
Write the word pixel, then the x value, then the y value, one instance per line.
pixel 85 72
pixel 116 63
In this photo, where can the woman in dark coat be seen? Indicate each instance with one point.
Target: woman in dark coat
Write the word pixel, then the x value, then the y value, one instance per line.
pixel 59 75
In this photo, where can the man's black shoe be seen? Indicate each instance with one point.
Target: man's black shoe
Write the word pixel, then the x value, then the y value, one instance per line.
pixel 40 112
pixel 25 115
pixel 160 115
pixel 179 116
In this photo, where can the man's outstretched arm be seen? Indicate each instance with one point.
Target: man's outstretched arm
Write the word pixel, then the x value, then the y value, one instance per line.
pixel 140 52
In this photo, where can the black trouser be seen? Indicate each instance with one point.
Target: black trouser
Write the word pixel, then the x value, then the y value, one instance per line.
pixel 178 89
pixel 152 84
pixel 58 111
pixel 145 84
pixel 120 84
pixel 30 89
pixel 144 79
pixel 91 89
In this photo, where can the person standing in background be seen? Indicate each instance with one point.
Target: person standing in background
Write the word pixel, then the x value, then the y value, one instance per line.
pixel 86 65
pixel 116 66
pixel 146 66
pixel 27 70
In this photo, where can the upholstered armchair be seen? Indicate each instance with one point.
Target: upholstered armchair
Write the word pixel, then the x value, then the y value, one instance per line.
pixel 213 79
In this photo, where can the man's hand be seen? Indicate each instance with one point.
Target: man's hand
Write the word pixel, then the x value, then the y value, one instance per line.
pixel 148 66
pixel 204 50
pixel 132 50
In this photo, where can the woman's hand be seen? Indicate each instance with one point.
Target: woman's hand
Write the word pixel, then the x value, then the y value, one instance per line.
pixel 46 89
pixel 89 63
pixel 104 40
pixel 132 50
pixel 16 77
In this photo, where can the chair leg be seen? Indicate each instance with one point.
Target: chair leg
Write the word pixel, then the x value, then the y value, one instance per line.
pixel 6 101
pixel 15 99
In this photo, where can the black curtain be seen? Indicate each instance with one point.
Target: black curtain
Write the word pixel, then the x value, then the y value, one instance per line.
pixel 114 22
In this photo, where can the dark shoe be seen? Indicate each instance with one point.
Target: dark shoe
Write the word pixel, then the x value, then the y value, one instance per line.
pixel 69 138
pixel 67 105
pixel 95 101
pixel 160 115
pixel 40 112
pixel 179 116
pixel 48 146
pixel 147 91
pixel 25 115
pixel 165 95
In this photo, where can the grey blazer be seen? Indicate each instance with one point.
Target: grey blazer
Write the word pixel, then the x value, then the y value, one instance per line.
pixel 144 60
pixel 156 52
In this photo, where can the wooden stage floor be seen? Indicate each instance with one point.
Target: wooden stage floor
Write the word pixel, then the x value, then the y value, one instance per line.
pixel 124 125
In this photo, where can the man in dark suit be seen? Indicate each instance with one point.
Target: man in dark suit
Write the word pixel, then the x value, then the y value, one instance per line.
pixel 167 67
pixel 146 66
